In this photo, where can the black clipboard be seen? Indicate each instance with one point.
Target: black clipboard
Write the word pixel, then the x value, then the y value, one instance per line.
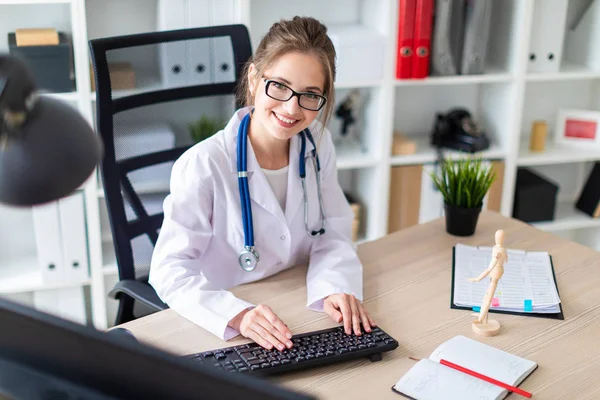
pixel 559 315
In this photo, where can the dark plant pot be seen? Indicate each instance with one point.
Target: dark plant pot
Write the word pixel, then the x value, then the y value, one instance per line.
pixel 461 221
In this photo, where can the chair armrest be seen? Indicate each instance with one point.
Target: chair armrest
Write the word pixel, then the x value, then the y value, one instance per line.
pixel 139 291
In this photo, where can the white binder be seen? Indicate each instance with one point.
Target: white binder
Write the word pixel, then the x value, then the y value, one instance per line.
pixel 46 223
pixel 547 35
pixel 68 303
pixel 222 62
pixel 199 13
pixel 199 62
pixel 171 14
pixel 74 238
pixel 222 12
pixel 583 28
pixel 432 201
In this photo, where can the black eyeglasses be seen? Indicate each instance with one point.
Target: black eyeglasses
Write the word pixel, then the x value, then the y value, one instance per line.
pixel 279 91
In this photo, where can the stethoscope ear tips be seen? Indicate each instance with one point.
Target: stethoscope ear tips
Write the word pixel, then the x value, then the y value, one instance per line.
pixel 319 232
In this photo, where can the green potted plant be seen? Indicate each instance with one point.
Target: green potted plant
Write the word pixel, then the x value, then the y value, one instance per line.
pixel 463 184
pixel 204 127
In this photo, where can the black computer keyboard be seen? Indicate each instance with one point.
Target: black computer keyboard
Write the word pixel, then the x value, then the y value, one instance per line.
pixel 311 349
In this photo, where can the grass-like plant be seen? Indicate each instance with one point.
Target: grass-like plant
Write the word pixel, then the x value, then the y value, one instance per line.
pixel 204 127
pixel 464 182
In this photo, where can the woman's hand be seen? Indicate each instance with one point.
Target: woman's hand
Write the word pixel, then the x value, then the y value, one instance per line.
pixel 345 307
pixel 264 327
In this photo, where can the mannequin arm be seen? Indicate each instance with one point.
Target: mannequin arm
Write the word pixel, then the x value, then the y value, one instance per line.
pixel 487 271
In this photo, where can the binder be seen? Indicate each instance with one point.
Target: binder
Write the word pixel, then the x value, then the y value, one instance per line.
pixel 406 27
pixel 448 35
pixel 68 303
pixel 432 201
pixel 198 13
pixel 222 62
pixel 198 61
pixel 47 232
pixel 422 38
pixel 559 315
pixel 171 14
pixel 222 12
pixel 582 24
pixel 477 28
pixel 173 64
pixel 547 35
pixel 74 238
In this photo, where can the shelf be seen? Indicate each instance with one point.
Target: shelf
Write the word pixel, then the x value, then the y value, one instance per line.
pixel 69 96
pixel 356 85
pixel 427 154
pixel 568 72
pixel 27 2
pixel 351 155
pixel 567 217
pixel 24 275
pixel 555 155
pixel 494 77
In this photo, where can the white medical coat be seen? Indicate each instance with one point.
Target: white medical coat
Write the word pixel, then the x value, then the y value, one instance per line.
pixel 195 259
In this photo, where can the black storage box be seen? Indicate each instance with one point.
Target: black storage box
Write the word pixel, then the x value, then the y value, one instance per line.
pixel 535 197
pixel 49 65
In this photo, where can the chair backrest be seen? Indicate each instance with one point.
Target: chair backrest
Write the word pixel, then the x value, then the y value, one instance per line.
pixel 150 90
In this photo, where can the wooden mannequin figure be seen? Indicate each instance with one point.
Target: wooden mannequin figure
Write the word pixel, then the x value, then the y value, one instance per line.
pixel 495 270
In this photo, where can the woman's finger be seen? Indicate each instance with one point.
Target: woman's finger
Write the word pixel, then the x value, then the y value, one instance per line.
pixel 364 317
pixel 355 315
pixel 282 341
pixel 333 312
pixel 282 332
pixel 266 335
pixel 344 307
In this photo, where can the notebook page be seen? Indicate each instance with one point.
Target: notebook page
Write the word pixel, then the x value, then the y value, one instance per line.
pixel 527 275
pixel 486 360
pixel 429 380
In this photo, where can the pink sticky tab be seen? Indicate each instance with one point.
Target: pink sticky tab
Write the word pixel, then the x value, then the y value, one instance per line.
pixel 495 302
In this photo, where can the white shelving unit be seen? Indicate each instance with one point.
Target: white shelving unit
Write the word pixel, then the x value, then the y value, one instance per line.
pixel 505 100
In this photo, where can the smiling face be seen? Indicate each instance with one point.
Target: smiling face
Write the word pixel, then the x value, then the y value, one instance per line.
pixel 281 120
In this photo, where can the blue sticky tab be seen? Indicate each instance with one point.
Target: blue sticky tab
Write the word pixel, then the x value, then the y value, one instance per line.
pixel 476 309
pixel 527 306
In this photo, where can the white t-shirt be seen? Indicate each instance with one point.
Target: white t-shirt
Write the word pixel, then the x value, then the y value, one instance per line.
pixel 278 180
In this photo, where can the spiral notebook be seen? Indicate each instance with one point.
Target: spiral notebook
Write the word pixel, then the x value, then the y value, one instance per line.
pixel 430 380
pixel 527 287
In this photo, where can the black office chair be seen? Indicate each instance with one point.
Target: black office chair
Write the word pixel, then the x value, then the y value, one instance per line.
pixel 148 87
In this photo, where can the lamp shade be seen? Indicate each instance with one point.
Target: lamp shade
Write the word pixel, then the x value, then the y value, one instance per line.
pixel 49 153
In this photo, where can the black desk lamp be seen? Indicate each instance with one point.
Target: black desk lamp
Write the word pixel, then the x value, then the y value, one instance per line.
pixel 47 149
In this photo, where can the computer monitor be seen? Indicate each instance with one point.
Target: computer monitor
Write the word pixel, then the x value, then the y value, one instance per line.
pixel 46 357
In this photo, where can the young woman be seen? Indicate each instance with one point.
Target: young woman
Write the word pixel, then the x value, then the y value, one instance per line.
pixel 226 223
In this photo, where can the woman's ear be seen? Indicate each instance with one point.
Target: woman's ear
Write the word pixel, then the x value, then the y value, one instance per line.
pixel 252 79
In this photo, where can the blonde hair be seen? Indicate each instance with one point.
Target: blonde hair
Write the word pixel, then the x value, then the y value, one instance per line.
pixel 300 34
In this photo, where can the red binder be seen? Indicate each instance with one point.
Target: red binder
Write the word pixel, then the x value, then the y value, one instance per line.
pixel 422 38
pixel 406 31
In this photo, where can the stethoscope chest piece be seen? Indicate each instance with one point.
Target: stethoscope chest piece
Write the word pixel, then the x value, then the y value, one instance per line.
pixel 249 259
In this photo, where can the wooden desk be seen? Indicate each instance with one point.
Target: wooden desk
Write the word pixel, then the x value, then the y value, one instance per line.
pixel 407 279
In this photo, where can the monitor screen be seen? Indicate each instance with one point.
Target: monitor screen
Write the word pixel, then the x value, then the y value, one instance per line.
pixel 46 357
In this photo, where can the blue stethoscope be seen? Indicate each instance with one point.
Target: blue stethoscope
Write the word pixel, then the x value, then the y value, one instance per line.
pixel 249 256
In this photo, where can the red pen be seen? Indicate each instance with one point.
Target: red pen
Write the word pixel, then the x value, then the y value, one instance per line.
pixel 486 378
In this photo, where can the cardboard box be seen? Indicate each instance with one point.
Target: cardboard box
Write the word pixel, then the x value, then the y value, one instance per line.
pixel 402 145
pixel 36 37
pixel 122 76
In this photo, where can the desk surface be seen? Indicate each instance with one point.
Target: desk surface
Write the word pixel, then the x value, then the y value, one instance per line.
pixel 407 279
